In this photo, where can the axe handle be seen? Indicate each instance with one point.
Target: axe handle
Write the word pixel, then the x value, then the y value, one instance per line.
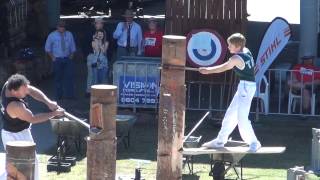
pixel 196 126
pixel 179 67
pixel 72 117
pixel 191 69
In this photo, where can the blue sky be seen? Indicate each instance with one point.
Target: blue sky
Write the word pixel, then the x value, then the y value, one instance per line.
pixel 267 10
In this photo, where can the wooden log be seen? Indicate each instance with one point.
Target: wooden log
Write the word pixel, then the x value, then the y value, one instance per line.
pixel 101 146
pixel 20 160
pixel 172 109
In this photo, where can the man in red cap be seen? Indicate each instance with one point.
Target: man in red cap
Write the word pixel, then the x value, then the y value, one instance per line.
pixel 306 79
pixel 152 40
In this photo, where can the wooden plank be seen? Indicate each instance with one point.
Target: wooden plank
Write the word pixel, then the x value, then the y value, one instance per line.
pixel 168 17
pixel 169 8
pixel 219 9
pixel 214 9
pixel 174 17
pixel 192 9
pixel 196 13
pixel 244 9
pixel 244 16
pixel 203 10
pixel 233 150
pixel 226 10
pixel 238 9
pixel 232 5
pixel 210 9
pixel 211 23
pixel 181 14
pixel 185 17
pixel 168 28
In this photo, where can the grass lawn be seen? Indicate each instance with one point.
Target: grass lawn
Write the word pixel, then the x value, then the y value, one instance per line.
pixel 293 132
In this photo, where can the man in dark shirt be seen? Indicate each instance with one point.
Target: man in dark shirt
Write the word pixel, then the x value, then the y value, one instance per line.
pixel 17 116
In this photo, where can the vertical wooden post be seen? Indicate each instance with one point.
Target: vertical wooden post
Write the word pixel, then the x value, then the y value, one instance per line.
pixel 172 109
pixel 102 143
pixel 20 160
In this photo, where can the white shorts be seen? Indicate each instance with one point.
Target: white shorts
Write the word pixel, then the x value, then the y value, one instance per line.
pixel 24 135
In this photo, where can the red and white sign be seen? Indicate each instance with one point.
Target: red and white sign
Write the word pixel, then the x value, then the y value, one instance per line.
pixel 275 39
pixel 205 47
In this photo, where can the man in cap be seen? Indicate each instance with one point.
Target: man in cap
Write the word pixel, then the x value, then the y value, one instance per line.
pixel 129 36
pixel 61 47
pixel 152 40
pixel 305 78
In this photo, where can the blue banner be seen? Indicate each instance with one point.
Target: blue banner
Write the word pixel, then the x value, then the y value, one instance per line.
pixel 138 90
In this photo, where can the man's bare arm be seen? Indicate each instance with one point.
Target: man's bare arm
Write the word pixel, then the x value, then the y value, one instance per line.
pixel 40 96
pixel 232 62
pixel 19 110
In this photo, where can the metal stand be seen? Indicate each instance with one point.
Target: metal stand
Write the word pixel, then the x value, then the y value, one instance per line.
pixel 218 164
pixel 189 162
pixel 60 162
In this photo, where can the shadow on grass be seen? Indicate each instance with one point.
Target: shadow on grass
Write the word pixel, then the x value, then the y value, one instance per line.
pixel 190 177
pixel 293 133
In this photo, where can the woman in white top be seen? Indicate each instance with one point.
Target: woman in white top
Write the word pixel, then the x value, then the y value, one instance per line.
pixel 97 62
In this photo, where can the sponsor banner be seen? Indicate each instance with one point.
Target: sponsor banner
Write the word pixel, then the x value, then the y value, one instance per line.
pixel 139 90
pixel 275 39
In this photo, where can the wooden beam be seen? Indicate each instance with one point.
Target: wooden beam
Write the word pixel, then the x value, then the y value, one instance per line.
pixel 20 160
pixel 172 109
pixel 233 150
pixel 101 145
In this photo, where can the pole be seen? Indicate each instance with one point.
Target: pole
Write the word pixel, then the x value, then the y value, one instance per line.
pixel 171 109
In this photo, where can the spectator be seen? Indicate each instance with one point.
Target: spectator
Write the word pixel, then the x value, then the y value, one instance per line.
pixel 153 40
pixel 129 36
pixel 60 46
pixel 97 62
pixel 304 78
pixel 98 24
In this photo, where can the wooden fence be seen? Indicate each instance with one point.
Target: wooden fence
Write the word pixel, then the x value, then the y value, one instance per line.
pixel 224 16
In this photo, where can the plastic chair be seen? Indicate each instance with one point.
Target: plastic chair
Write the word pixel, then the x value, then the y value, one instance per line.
pixel 263 95
pixel 293 98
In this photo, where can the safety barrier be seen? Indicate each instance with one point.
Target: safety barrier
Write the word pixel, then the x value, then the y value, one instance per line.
pixel 137 79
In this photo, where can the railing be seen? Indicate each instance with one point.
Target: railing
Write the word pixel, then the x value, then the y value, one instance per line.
pixel 141 77
pixel 280 97
pixel 137 79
